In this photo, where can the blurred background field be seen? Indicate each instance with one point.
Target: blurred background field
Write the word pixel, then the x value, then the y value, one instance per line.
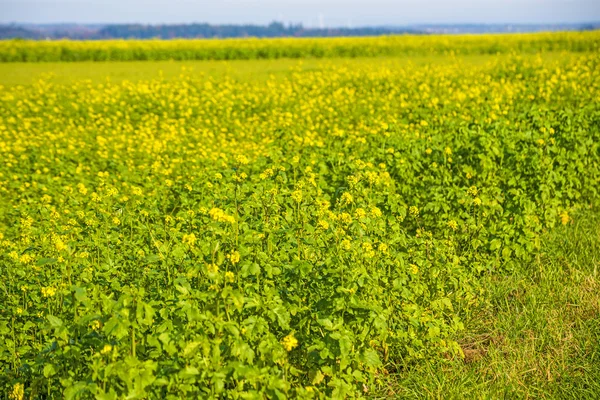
pixel 252 48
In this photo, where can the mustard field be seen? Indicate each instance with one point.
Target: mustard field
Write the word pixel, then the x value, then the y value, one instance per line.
pixel 297 236
pixel 249 48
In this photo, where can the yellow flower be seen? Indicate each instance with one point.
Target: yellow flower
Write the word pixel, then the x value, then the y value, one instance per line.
pixel 189 239
pixel 83 254
pixel 212 268
pixel 240 177
pixel 565 218
pixel 453 225
pixel 323 224
pixel 18 392
pixel 414 269
pixel 242 159
pixel 346 198
pixel 346 244
pixel 352 180
pixel 82 189
pixel 230 276
pixel 472 191
pixel 27 222
pixel 25 258
pixel 414 211
pixel 448 151
pixel 372 177
pixel 234 257
pixel 345 218
pixel 297 196
pixel 428 151
pixel 477 201
pixel 368 250
pixel 375 212
pixel 219 215
pixel 289 342
pixel 48 291
pixel 106 349
pixel 267 173
pixel 360 213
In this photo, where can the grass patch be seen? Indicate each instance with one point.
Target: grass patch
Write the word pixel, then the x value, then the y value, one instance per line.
pixel 539 337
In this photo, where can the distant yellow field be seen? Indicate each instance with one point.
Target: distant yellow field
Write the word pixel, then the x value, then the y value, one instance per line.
pixel 230 49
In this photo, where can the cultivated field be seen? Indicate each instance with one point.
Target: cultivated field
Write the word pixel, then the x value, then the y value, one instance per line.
pixel 408 225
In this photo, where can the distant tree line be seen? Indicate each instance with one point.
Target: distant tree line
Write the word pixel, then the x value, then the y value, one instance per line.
pixel 139 31
pixel 12 32
pixel 273 30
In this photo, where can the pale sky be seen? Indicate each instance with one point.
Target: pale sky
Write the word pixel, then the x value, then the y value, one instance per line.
pixel 308 12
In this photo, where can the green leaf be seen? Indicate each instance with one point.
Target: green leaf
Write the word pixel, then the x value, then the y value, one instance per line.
pixel 49 370
pixel 190 349
pixel 55 322
pixel 495 244
pixel 44 261
pixel 371 358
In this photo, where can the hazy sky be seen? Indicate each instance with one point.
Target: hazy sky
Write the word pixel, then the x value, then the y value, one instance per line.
pixel 308 12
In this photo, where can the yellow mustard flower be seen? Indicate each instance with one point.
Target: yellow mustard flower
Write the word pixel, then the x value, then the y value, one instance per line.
pixel 234 257
pixel 212 268
pixel 453 225
pixel 289 342
pixel 565 218
pixel 189 239
pixel 17 392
